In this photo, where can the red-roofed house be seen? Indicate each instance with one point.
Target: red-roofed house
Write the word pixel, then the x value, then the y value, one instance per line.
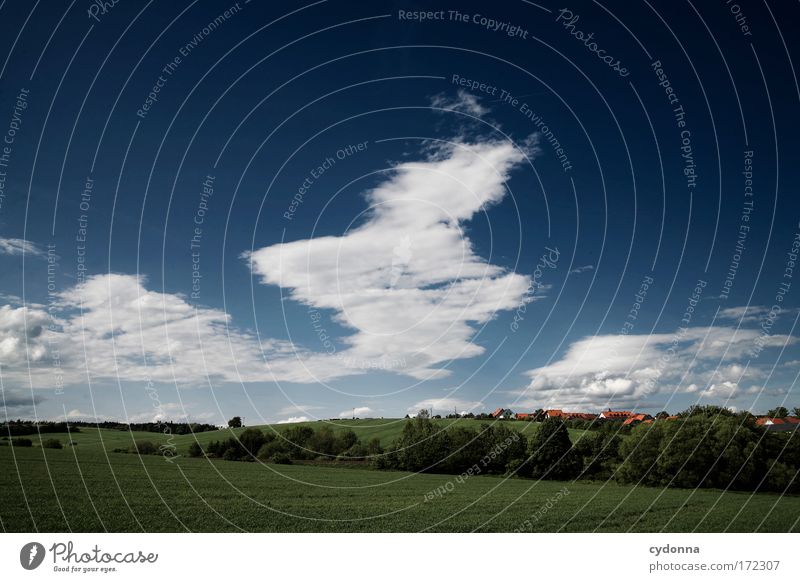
pixel 768 421
pixel 635 419
pixel 615 414
pixel 503 413
pixel 555 413
pixel 581 416
pixel 778 424
pixel 525 415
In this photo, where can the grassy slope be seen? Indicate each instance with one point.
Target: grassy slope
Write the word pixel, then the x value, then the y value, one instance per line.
pixel 387 430
pixel 148 493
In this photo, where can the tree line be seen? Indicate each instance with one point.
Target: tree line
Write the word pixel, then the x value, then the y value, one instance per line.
pixel 297 443
pixel 27 427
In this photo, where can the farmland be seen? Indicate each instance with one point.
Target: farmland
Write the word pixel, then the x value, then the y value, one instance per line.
pixel 89 488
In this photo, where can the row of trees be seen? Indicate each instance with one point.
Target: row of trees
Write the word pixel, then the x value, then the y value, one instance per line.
pixel 28 427
pixel 293 444
pixel 26 442
pixel 711 451
pixel 708 447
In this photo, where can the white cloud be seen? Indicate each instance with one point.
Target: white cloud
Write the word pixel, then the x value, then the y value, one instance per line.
pixel 112 326
pixel 745 314
pixel 17 325
pixel 407 280
pixel 627 369
pixel 19 246
pixel 357 411
pixel 446 405
pixel 293 419
pixel 583 269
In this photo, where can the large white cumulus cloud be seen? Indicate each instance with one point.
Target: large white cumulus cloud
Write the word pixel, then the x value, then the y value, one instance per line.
pixel 407 280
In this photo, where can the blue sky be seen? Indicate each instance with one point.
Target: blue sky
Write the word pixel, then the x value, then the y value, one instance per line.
pixel 298 211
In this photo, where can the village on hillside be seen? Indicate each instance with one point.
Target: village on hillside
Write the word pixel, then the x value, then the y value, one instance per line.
pixel 626 417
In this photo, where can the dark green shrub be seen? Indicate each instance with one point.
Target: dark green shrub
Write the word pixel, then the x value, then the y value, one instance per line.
pixel 145 448
pixel 52 444
pixel 551 453
pixel 282 459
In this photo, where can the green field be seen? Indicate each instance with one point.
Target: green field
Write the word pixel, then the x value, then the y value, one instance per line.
pixel 86 488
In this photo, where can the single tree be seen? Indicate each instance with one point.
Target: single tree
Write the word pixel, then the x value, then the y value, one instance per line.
pixel 551 452
pixel 235 422
pixel 778 412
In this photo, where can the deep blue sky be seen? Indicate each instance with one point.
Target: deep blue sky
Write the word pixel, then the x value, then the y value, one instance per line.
pixel 259 105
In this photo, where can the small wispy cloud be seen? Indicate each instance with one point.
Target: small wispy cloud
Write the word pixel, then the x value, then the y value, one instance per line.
pixel 293 419
pixel 463 102
pixel 19 246
pixel 745 314
pixel 583 269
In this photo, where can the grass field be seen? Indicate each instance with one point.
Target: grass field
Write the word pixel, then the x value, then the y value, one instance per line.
pixel 85 488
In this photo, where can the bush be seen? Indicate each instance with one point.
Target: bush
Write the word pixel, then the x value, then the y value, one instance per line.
pixel 551 453
pixel 20 442
pixel 145 448
pixel 699 451
pixel 599 453
pixel 52 444
pixel 282 459
pixel 195 450
pixel 251 441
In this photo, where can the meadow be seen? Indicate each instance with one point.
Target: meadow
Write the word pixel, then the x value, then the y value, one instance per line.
pixel 89 488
